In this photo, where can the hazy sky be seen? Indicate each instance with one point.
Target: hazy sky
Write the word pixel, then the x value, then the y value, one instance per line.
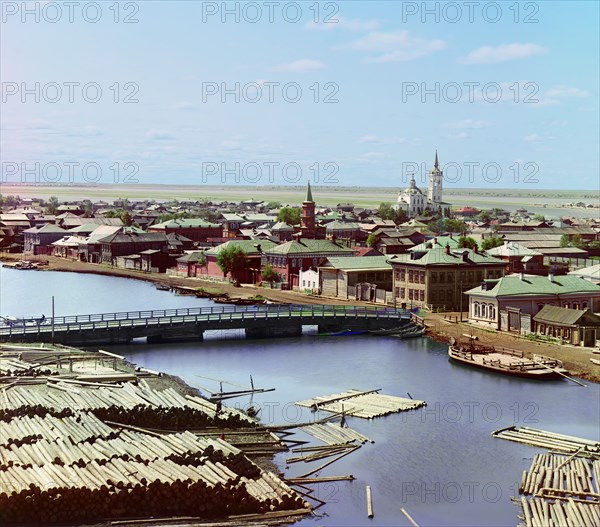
pixel 179 92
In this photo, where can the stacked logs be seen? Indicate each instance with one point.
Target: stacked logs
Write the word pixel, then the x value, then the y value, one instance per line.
pixel 565 489
pixel 560 475
pixel 79 469
pixel 127 403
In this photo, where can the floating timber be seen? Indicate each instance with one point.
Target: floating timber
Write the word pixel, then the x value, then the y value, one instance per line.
pixel 564 490
pixel 334 434
pixel 364 404
pixel 550 440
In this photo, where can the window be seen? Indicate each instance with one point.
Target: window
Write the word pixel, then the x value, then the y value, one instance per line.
pixel 422 277
pixel 540 306
pixel 303 283
pixel 566 304
pixel 422 295
pixel 584 305
pixel 441 295
pixel 575 305
pixel 293 262
pixel 450 278
pixel 484 310
pixel 403 274
pixel 449 294
pixel 410 294
pixel 410 276
pixel 402 292
pixel 433 295
pixel 433 278
pixel 476 310
pixel 397 292
pixel 442 276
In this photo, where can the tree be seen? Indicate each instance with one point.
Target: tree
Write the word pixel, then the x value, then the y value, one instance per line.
pixel 52 207
pixel 273 205
pixel 539 217
pixel 232 260
pixel 88 210
pixel 385 211
pixel 126 218
pixel 564 241
pixel 577 241
pixel 269 274
pixel 466 242
pixel 289 215
pixel 490 243
pixel 371 240
pixel 484 215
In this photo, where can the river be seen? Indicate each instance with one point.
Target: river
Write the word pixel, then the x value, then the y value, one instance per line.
pixel 440 462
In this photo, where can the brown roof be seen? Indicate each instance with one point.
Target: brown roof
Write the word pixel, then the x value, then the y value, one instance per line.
pixel 567 317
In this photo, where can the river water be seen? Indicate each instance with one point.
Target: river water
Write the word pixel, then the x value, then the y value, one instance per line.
pixel 440 462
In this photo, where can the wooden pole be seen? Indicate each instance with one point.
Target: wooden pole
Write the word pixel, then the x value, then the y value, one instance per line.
pixel 369 502
pixel 556 371
pixel 408 517
pixel 52 338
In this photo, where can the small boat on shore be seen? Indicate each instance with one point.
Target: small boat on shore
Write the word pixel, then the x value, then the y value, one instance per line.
pixel 412 333
pixel 506 361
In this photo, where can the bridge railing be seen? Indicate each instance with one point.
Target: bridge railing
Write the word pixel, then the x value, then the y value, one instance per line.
pixel 199 314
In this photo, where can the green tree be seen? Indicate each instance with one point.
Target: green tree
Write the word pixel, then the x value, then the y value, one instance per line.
pixel 126 218
pixel 269 274
pixel 539 217
pixel 577 241
pixel 490 243
pixel 484 215
pixel 564 241
pixel 371 240
pixel 385 211
pixel 273 205
pixel 466 242
pixel 88 210
pixel 232 260
pixel 52 207
pixel 289 215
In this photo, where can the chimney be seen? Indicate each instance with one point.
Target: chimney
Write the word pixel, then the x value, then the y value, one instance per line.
pixel 522 276
pixel 476 249
pixel 447 248
pixel 258 248
pixel 435 242
pixel 465 256
pixel 451 236
pixel 551 277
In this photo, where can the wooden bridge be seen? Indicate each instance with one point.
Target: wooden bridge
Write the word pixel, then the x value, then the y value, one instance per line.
pixel 168 325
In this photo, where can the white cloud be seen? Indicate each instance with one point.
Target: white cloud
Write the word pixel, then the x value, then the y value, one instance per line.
pixel 301 66
pixel 373 156
pixel 468 124
pixel 344 23
pixel 533 138
pixel 460 135
pixel 183 105
pixel 396 46
pixel 159 135
pixel 393 140
pixel 503 53
pixel 566 91
pixel 542 103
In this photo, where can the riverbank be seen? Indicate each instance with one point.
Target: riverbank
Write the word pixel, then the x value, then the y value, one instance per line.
pixel 440 328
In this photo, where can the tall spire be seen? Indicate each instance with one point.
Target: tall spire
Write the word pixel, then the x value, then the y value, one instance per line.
pixel 436 164
pixel 309 193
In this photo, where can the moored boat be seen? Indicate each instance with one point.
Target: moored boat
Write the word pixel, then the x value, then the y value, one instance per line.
pixel 506 361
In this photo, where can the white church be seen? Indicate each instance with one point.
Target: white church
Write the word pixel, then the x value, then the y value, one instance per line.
pixel 414 201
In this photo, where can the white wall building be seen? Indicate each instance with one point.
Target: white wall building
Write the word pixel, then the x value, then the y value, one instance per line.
pixel 414 201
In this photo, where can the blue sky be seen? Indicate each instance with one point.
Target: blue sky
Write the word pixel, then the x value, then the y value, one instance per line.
pixel 536 126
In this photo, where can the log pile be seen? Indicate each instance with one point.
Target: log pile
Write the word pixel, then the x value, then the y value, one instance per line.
pixel 80 469
pixel 550 440
pixel 127 403
pixel 569 513
pixel 366 405
pixel 554 475
pixel 334 434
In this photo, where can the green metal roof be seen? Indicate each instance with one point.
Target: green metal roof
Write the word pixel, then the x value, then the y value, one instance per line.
pixel 308 246
pixel 248 246
pixel 358 263
pixel 566 317
pixel 436 243
pixel 184 223
pixel 514 285
pixel 439 257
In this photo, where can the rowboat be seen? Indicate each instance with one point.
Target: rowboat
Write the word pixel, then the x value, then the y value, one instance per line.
pixel 506 361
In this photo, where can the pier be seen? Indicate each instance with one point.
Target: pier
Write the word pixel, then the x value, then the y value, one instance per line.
pixel 170 325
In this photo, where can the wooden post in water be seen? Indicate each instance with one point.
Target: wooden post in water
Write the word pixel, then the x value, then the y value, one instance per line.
pixel 369 502
pixel 52 319
pixel 408 517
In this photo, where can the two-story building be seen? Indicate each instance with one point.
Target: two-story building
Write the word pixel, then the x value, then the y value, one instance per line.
pixel 437 278
pixel 510 303
pixel 289 258
pixel 126 244
pixel 39 240
pixel 195 229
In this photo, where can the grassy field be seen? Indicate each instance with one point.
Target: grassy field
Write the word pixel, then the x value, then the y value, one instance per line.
pixel 538 200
